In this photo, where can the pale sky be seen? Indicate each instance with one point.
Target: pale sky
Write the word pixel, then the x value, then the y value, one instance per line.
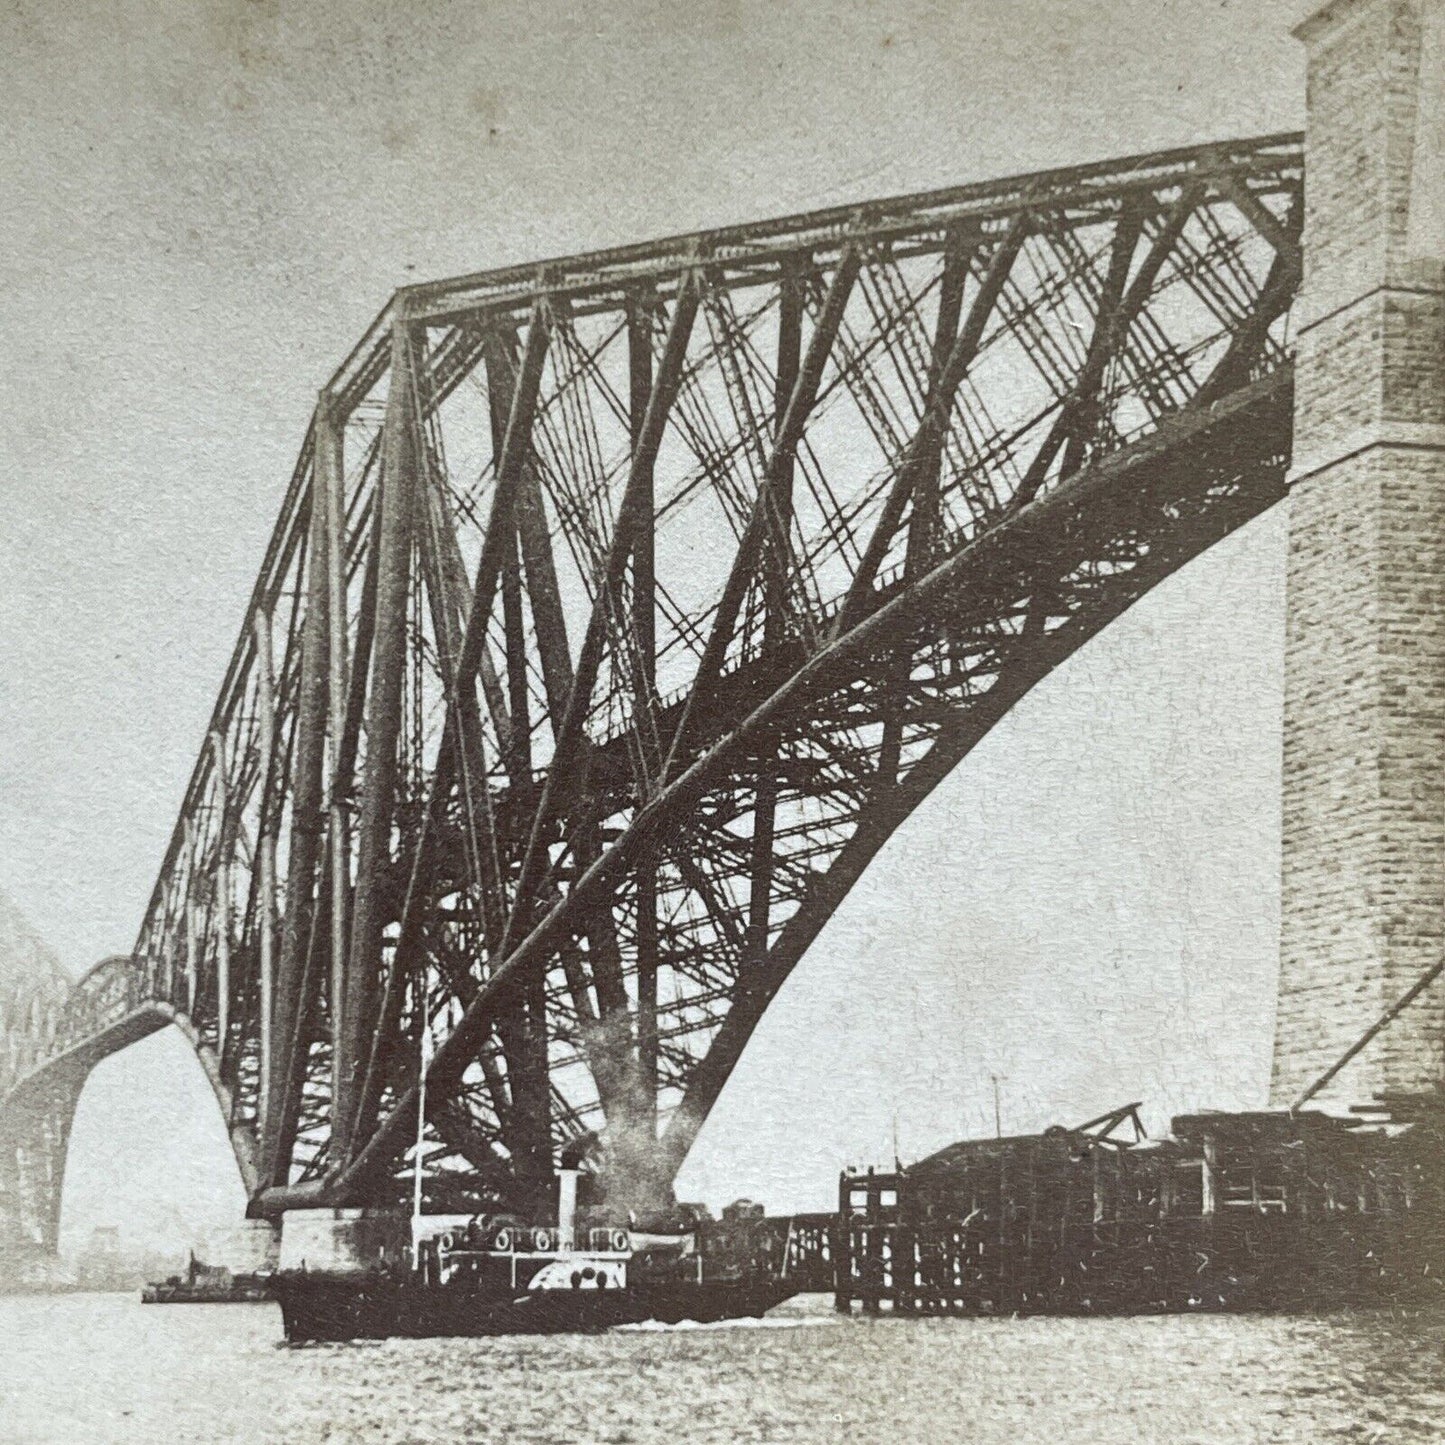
pixel 201 207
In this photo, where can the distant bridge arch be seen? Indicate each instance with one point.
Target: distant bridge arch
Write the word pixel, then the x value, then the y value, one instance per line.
pixel 102 1014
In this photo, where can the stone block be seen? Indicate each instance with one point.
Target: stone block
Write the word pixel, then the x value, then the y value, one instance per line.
pixel 345 1241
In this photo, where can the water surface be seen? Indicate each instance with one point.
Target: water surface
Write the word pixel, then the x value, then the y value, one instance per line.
pixel 97 1369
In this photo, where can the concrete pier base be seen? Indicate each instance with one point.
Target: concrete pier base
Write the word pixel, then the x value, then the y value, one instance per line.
pixel 342 1240
pixel 32 1269
pixel 251 1247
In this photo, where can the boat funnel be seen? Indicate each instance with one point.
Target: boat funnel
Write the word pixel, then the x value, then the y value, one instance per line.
pixel 567 1208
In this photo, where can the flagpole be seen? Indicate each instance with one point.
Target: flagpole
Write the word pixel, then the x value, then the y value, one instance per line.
pixel 416 1158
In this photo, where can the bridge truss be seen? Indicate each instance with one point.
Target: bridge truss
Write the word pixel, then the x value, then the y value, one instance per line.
pixel 621 607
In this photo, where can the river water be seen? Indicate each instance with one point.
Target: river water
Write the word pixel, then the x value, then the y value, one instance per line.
pixel 97 1369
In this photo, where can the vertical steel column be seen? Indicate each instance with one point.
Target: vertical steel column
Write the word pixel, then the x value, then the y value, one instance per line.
pixel 923 519
pixel 289 1039
pixel 523 1029
pixel 644 543
pixel 518 739
pixel 516 736
pixel 549 622
pixel 644 626
pixel 223 901
pixel 549 618
pixel 166 963
pixel 330 491
pixel 777 552
pixel 266 865
pixel 519 706
pixel 192 931
pixel 383 729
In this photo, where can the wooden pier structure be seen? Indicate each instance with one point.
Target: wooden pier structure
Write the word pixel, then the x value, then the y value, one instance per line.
pixel 1258 1210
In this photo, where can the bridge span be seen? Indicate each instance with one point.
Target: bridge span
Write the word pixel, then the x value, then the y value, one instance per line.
pixel 622 606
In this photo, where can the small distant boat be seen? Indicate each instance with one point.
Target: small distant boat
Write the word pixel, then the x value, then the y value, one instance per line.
pixel 205 1284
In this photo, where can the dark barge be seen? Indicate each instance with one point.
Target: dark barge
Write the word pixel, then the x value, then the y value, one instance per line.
pixel 495 1275
pixel 490 1296
pixel 1233 1211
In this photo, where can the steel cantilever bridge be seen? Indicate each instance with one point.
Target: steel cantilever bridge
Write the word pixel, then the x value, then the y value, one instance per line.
pixel 619 610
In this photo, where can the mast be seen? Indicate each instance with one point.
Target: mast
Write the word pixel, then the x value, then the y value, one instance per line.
pixel 416 1157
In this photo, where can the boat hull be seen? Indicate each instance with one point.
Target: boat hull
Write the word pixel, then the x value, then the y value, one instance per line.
pixel 322 1307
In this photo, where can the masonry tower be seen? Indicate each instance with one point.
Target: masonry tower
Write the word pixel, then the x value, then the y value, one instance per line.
pixel 1363 907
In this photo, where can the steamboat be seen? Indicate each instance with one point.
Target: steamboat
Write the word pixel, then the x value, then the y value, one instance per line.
pixel 501 1275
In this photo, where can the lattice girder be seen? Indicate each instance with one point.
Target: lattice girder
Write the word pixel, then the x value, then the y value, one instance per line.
pixel 620 608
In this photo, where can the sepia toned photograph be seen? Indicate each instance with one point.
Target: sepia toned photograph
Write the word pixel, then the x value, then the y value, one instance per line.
pixel 722 722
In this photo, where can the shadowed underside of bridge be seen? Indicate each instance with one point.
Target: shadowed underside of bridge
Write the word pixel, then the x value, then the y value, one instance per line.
pixel 621 607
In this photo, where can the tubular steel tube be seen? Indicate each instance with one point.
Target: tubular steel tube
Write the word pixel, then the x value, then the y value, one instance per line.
pixel 383 728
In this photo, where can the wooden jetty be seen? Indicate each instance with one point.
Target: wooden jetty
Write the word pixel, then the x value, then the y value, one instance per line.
pixel 1232 1211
